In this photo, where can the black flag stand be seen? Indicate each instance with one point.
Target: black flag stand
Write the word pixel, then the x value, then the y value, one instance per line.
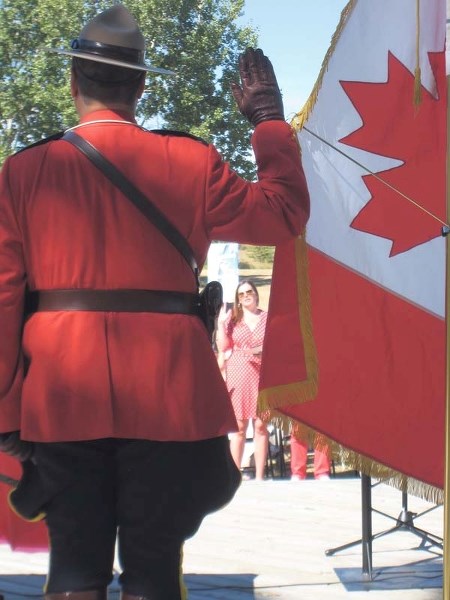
pixel 405 520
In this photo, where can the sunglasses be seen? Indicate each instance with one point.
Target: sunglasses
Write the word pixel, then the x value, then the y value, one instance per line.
pixel 245 293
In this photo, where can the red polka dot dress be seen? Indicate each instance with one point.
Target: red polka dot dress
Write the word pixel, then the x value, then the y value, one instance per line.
pixel 243 367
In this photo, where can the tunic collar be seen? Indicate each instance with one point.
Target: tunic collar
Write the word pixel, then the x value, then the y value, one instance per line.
pixel 108 115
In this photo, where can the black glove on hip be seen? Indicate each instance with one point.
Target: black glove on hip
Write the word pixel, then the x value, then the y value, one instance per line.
pixel 258 97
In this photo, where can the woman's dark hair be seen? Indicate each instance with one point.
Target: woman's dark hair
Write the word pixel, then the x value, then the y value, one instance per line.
pixel 237 313
pixel 104 82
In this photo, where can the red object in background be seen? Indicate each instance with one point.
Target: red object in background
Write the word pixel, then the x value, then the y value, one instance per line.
pixel 19 534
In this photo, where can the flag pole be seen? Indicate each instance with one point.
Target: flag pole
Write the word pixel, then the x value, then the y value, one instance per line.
pixel 446 581
pixel 446 533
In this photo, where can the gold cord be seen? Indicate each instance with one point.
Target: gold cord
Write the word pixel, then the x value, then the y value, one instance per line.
pixel 380 179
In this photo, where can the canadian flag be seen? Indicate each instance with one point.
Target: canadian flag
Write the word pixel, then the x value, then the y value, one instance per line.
pixel 374 154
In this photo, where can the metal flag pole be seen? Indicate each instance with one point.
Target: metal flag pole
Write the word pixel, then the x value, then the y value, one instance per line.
pixel 446 583
pixel 446 533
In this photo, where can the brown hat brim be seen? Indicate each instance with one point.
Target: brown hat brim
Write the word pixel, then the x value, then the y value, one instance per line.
pixel 109 61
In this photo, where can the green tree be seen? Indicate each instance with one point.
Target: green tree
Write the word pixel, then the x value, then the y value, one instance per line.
pixel 199 39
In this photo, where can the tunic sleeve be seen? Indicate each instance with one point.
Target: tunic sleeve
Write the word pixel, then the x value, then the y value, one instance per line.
pixel 12 290
pixel 269 211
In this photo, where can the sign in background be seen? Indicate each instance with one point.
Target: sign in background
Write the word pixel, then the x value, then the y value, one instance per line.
pixel 223 266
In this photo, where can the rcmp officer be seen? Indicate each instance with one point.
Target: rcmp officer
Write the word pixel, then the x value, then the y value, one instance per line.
pixel 121 404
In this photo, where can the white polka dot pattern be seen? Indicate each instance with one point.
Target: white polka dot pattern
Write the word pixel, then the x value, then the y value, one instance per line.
pixel 242 368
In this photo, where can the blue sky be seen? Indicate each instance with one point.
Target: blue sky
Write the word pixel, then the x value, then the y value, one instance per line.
pixel 295 35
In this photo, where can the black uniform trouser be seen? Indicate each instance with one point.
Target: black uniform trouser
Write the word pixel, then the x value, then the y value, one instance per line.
pixel 152 495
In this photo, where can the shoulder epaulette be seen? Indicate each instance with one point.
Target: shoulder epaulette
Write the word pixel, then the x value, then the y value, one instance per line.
pixel 50 138
pixel 176 133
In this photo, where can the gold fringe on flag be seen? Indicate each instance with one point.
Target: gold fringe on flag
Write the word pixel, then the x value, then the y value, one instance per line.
pixel 354 461
pixel 299 391
pixel 301 117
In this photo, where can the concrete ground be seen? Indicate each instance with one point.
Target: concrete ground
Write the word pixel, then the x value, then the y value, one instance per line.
pixel 270 543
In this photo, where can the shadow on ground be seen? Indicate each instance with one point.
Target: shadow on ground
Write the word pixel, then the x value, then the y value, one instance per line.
pixel 200 587
pixel 423 574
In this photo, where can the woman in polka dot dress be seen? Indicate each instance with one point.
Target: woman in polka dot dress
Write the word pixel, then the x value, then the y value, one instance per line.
pixel 241 331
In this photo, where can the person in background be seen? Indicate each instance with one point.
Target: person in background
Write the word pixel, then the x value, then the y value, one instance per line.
pixel 299 459
pixel 241 332
pixel 121 398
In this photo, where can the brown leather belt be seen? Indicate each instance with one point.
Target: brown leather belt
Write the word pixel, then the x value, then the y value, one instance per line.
pixel 158 301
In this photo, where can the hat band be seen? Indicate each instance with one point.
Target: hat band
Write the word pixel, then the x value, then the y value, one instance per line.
pixel 130 55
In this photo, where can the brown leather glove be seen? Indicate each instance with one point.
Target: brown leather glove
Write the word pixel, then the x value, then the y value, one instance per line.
pixel 11 444
pixel 259 98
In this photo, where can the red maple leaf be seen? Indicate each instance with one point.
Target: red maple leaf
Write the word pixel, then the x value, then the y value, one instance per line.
pixel 395 128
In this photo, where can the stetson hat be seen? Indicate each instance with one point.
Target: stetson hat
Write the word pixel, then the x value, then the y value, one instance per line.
pixel 112 37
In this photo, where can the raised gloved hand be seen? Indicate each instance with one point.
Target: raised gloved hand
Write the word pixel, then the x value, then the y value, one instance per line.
pixel 258 97
pixel 11 444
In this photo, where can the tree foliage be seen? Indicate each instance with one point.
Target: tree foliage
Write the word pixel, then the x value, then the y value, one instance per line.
pixel 199 39
pixel 261 254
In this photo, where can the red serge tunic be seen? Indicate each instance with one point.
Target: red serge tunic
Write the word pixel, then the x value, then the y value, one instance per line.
pixel 64 225
pixel 243 367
